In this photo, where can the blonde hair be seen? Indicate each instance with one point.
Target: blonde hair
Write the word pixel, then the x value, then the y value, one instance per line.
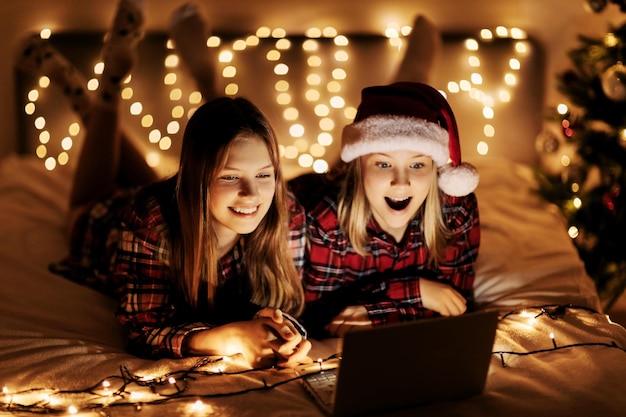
pixel 354 213
pixel 267 260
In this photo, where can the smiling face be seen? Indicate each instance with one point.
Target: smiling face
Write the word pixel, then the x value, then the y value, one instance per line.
pixel 243 191
pixel 396 184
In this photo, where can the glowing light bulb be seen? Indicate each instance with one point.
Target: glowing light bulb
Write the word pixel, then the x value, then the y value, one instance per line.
pixel 281 69
pixel 198 406
pixel 314 61
pixel 482 148
pixel 252 40
pixel 502 31
pixel 391 32
pixel 136 108
pixel 263 32
pixel 296 130
pixel 341 40
pixel 33 95
pixel 98 68
pixel 305 160
pixel 225 56
pixel 562 109
pixel 51 163
pixel 171 61
pixel 213 41
pixel 272 55
pixel 40 122
pixel 283 44
pixel 291 152
pixel 67 143
pixel 553 341
pixel 313 33
pixel 329 32
pixel 325 139
pixel 165 143
pixel 320 166
pixel 29 109
pixel 471 45
pixel 239 45
pixel 279 33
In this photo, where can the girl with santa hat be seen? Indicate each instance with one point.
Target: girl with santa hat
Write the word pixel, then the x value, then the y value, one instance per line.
pixel 396 232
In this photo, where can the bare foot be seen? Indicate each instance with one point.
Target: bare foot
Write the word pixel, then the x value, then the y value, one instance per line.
pixel 189 32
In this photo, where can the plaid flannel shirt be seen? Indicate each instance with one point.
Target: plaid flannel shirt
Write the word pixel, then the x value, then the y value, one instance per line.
pixel 387 280
pixel 155 316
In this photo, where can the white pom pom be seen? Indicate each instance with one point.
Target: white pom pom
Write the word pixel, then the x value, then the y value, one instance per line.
pixel 459 180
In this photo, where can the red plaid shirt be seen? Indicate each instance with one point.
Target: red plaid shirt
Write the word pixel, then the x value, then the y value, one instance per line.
pixel 153 312
pixel 386 280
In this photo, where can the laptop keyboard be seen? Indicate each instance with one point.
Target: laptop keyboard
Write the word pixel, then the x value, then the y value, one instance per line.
pixel 322 385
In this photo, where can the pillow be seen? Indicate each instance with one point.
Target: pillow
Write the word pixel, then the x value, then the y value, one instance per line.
pixel 526 256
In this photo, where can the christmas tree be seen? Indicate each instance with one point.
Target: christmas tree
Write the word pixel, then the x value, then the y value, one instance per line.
pixel 583 153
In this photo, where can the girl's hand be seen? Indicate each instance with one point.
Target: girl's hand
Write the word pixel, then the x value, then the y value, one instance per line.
pixel 442 298
pixel 351 317
pixel 265 341
pixel 294 351
pixel 296 357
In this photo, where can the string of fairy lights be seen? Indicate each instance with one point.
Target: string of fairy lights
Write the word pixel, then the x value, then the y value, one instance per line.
pixel 509 79
pixel 324 93
pixel 137 391
pixel 127 389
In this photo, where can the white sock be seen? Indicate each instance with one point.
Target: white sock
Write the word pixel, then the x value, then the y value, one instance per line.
pixel 37 57
pixel 120 52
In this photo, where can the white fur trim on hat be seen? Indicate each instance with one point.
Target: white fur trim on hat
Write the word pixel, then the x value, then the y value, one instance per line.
pixel 387 133
pixel 458 180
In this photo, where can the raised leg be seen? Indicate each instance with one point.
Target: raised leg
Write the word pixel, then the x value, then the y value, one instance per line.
pixel 422 51
pixel 100 159
pixel 189 32
pixel 104 149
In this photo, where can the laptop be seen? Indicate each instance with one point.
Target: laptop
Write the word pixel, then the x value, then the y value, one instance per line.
pixel 406 364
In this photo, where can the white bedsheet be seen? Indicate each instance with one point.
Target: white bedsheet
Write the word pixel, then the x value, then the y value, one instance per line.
pixel 57 336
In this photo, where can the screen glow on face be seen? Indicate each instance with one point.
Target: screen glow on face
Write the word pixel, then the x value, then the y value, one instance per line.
pixel 396 184
pixel 243 191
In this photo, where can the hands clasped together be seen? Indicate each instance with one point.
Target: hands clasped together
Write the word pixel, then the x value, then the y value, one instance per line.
pixel 279 339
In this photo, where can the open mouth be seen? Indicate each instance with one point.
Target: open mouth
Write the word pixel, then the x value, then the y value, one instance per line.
pixel 245 210
pixel 398 203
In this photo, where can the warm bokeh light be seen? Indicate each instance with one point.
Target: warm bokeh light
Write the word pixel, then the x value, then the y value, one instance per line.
pixel 325 107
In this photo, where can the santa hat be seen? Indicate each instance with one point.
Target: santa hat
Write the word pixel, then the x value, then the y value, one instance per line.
pixel 413 117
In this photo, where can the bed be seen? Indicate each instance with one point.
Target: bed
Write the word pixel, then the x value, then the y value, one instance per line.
pixel 556 353
pixel 61 350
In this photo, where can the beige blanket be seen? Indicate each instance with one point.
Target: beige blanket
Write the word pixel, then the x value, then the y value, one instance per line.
pixel 61 350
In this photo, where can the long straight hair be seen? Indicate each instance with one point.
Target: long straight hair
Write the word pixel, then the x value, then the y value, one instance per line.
pixel 267 261
pixel 354 213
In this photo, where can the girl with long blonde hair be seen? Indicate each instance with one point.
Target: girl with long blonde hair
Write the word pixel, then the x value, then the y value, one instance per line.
pixel 395 232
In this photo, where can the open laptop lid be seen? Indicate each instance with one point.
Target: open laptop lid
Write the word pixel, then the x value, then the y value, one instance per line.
pixel 410 363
